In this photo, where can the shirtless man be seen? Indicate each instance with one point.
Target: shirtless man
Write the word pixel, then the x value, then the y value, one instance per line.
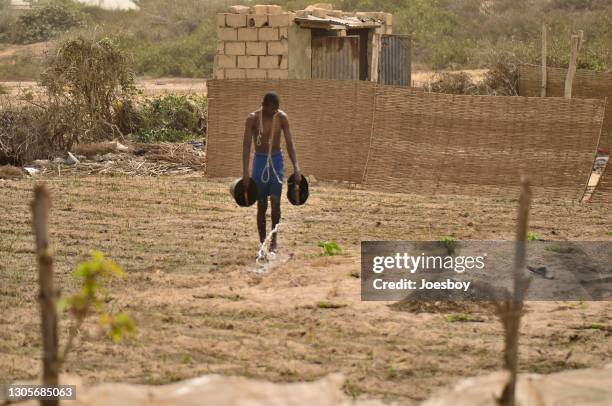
pixel 268 173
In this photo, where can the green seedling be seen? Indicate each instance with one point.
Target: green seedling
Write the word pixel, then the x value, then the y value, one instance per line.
pixel 531 236
pixel 449 243
pixel 90 300
pixel 330 248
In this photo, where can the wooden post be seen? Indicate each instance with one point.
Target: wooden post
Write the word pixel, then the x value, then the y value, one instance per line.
pixel 47 296
pixel 571 71
pixel 511 311
pixel 581 39
pixel 544 56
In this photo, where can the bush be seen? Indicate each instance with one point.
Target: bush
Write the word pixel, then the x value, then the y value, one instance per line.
pixel 91 78
pixel 172 118
pixel 46 21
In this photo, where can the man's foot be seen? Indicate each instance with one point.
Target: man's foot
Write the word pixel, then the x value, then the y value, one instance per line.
pixel 273 247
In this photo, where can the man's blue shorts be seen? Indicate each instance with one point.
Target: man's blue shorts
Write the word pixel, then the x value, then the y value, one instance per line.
pixel 267 183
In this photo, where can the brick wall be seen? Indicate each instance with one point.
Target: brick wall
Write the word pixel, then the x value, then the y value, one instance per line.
pixel 255 45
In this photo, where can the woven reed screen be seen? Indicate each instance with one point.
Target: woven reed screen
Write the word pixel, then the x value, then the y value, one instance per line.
pixel 420 142
pixel 451 144
pixel 603 190
pixel 331 122
pixel 587 84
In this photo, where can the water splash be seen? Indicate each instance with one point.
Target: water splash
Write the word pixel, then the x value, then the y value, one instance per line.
pixel 264 256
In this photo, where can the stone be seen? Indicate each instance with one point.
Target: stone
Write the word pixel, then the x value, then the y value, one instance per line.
pixel 41 162
pixel 326 6
pixel 120 147
pixel 220 74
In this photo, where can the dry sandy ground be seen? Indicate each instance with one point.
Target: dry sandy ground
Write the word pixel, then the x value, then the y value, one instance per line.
pixel 189 254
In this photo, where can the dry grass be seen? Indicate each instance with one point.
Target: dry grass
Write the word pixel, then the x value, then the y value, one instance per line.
pixel 188 252
pixel 10 172
pixel 96 148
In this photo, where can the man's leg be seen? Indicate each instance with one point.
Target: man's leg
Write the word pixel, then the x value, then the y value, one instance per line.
pixel 276 215
pixel 262 207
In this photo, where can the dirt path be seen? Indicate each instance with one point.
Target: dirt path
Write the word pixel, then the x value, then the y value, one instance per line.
pixel 188 252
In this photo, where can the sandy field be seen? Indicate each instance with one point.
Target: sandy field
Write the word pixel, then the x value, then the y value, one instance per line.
pixel 189 254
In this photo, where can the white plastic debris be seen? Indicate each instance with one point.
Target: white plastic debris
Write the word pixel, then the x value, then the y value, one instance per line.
pixel 72 160
pixel 31 171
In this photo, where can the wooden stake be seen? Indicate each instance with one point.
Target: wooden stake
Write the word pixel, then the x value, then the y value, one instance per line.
pixel 47 296
pixel 571 71
pixel 511 311
pixel 544 56
pixel 581 39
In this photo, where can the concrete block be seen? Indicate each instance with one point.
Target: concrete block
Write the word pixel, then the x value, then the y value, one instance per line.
pixel 388 18
pixel 278 74
pixel 319 12
pixel 220 48
pixel 280 20
pixel 220 74
pixel 226 61
pixel 247 62
pixel 256 74
pixel 269 62
pixel 268 34
pixel 236 20
pixel 278 47
pixel 256 48
pixel 284 62
pixel 326 6
pixel 260 9
pixel 235 74
pixel 235 48
pixel 283 33
pixel 302 13
pixel 257 20
pixel 227 34
pixel 240 9
pixel 274 10
pixel 247 34
pixel 220 20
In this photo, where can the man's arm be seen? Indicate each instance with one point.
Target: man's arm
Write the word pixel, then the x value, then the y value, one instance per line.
pixel 291 147
pixel 246 147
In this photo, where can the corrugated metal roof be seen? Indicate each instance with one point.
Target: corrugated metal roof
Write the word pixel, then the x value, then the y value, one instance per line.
pixel 331 22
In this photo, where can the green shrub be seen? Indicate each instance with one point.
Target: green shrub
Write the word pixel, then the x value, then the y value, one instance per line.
pixel 330 248
pixel 46 21
pixel 172 118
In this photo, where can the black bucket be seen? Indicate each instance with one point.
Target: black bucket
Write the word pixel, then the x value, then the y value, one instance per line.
pixel 292 190
pixel 244 198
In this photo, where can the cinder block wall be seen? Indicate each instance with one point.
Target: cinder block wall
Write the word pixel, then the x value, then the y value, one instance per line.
pixel 254 45
pixel 254 42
